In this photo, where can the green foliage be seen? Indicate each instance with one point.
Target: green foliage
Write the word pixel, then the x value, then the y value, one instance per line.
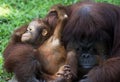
pixel 14 13
pixel 117 2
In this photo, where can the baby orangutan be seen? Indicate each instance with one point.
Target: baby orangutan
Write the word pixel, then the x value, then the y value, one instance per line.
pixel 52 54
pixel 35 52
pixel 37 32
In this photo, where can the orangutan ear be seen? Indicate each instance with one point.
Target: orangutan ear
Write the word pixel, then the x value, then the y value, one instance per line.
pixel 44 32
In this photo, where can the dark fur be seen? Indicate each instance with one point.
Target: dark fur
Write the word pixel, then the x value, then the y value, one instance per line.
pixel 96 22
pixel 20 58
pixel 15 39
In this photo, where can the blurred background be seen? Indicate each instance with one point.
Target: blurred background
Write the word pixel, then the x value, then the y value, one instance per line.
pixel 14 13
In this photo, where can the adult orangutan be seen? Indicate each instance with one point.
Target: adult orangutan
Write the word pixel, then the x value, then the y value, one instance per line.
pixel 93 30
